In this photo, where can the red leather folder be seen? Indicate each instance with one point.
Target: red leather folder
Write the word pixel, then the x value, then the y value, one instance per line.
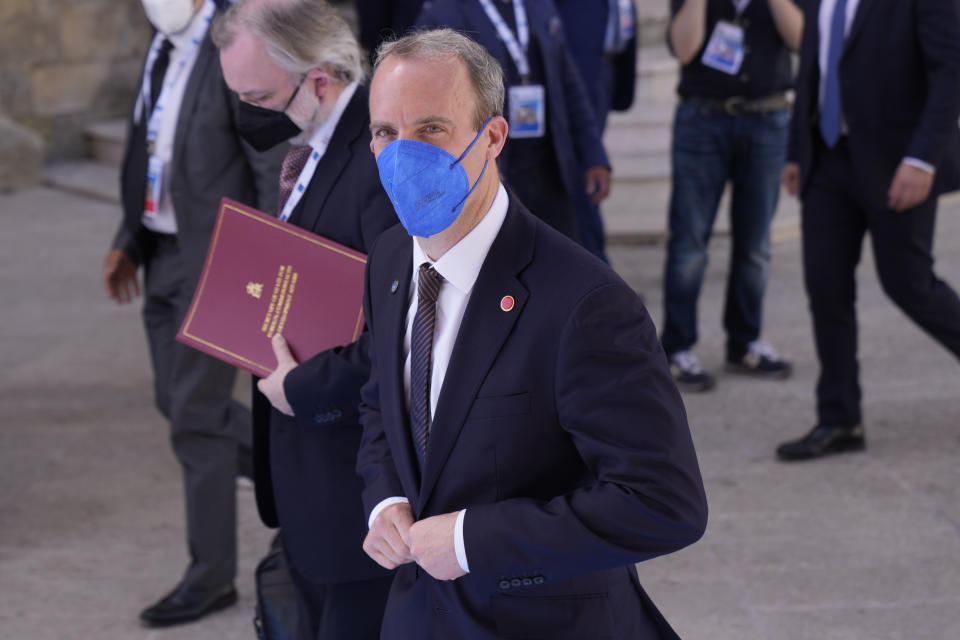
pixel 263 277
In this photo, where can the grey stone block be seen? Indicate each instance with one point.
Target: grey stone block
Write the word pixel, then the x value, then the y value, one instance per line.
pixel 21 155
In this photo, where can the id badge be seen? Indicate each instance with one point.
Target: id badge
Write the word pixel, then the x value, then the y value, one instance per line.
pixel 724 52
pixel 528 111
pixel 151 201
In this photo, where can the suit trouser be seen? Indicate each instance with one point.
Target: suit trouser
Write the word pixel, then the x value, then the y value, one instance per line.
pixel 835 218
pixel 339 611
pixel 193 391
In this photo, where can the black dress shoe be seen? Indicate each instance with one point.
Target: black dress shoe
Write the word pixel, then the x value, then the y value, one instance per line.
pixel 823 440
pixel 186 605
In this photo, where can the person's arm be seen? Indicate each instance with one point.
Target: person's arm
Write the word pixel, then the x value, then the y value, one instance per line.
pixel 938 26
pixel 584 129
pixel 688 30
pixel 788 19
pixel 389 513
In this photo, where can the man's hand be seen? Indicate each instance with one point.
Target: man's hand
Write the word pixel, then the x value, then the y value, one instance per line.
pixel 431 545
pixel 910 187
pixel 120 277
pixel 791 178
pixel 598 183
pixel 387 540
pixel 272 385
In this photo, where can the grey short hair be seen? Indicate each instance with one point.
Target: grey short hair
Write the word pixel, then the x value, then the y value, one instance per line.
pixel 444 44
pixel 299 35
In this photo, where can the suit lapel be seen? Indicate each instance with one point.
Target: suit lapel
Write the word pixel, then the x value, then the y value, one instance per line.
pixel 858 18
pixel 352 124
pixel 206 57
pixel 393 398
pixel 484 330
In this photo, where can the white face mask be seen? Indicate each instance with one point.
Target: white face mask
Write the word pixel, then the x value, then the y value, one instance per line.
pixel 169 16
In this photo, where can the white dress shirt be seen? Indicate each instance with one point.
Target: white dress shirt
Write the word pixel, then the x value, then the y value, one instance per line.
pixel 183 56
pixel 823 22
pixel 318 141
pixel 459 266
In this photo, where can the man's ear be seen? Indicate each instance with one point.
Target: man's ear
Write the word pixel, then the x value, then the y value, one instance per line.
pixel 496 134
pixel 321 81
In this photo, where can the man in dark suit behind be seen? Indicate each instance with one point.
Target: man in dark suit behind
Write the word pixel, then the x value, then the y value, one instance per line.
pixel 181 158
pixel 524 443
pixel 874 141
pixel 381 20
pixel 299 72
pixel 545 170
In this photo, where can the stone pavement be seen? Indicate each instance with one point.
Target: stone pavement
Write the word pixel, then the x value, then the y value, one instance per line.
pixel 859 547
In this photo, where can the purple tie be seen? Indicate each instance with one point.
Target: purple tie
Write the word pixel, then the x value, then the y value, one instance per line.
pixel 293 164
pixel 421 346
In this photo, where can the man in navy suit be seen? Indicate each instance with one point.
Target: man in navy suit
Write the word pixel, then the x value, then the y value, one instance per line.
pixel 524 443
pixel 603 42
pixel 306 430
pixel 874 142
pixel 548 158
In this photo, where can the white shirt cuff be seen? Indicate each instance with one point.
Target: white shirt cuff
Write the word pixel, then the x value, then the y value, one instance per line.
pixel 383 504
pixel 458 542
pixel 920 164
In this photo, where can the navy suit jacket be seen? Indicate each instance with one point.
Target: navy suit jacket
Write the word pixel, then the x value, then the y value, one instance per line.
pixel 900 89
pixel 380 19
pixel 610 83
pixel 573 125
pixel 558 428
pixel 305 466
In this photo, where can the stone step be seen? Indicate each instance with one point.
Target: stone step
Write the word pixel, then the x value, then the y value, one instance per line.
pixel 86 178
pixel 106 140
pixel 652 19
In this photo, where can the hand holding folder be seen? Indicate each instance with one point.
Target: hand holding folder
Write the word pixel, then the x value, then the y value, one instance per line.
pixel 264 277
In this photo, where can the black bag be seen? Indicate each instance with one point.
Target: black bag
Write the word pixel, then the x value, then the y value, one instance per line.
pixel 276 613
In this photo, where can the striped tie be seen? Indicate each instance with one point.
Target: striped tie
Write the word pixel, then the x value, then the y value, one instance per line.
pixel 421 345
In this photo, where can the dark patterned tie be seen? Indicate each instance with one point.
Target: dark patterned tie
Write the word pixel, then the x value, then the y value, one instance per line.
pixel 421 346
pixel 293 164
pixel 158 72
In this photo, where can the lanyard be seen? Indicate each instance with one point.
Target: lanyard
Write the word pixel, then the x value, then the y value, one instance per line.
pixel 740 6
pixel 516 45
pixel 171 79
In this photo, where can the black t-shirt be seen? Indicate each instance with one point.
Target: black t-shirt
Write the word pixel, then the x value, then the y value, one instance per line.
pixel 766 67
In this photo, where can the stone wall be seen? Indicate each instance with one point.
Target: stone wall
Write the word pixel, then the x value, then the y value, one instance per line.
pixel 67 63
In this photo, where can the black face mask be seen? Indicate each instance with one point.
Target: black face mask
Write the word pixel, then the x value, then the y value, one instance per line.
pixel 266 128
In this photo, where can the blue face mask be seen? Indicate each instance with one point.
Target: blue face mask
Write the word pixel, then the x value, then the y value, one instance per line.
pixel 426 185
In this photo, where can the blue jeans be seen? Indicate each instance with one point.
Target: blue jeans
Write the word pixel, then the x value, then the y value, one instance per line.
pixel 711 147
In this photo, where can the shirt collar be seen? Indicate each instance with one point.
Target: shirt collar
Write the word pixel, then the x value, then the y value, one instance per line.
pixel 320 137
pixel 460 265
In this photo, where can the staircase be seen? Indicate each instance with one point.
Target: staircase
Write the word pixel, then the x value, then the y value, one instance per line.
pixel 99 176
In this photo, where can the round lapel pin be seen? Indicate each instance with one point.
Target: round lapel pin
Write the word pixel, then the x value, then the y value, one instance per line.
pixel 394 286
pixel 507 303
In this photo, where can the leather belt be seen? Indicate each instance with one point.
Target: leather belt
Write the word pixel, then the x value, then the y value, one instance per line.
pixel 740 105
